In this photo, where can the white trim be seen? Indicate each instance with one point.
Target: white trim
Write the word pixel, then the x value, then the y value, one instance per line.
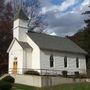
pixel 12 45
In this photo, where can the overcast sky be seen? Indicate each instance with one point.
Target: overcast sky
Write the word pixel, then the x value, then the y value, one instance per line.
pixel 64 16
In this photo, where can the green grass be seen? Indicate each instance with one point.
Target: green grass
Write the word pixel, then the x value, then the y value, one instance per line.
pixel 78 86
pixel 23 87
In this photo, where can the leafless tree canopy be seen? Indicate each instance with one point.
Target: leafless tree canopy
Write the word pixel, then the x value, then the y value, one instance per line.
pixel 32 8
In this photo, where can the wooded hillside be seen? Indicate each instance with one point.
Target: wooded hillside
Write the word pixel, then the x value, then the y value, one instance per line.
pixel 82 37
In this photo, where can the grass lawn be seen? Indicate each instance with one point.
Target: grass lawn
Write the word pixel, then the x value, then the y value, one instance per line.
pixel 23 87
pixel 79 86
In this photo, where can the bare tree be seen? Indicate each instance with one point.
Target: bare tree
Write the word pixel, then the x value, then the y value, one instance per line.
pixel 32 8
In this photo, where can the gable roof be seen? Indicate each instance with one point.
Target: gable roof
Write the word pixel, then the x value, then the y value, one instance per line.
pixel 55 43
pixel 24 45
pixel 21 15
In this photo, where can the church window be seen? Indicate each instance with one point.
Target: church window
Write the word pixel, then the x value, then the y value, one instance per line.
pixel 51 61
pixel 77 62
pixel 65 61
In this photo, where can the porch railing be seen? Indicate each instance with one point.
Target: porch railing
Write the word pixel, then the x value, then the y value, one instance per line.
pixel 46 71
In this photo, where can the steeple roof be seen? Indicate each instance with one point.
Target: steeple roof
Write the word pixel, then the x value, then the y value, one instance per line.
pixel 21 15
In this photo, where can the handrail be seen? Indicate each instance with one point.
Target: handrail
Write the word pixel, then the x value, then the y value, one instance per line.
pixel 48 71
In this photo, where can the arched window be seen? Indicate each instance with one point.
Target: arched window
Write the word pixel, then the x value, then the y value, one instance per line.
pixel 65 61
pixel 51 61
pixel 77 62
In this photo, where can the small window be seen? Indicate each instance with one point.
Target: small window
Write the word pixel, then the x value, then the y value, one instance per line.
pixel 65 61
pixel 15 58
pixel 51 61
pixel 77 62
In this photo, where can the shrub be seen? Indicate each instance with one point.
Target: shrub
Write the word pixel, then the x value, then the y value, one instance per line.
pixel 82 76
pixel 31 72
pixel 77 74
pixel 9 79
pixel 5 85
pixel 64 73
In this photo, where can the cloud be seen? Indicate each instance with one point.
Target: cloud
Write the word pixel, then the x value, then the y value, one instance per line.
pixel 86 2
pixel 66 23
pixel 64 18
pixel 66 4
pixel 48 6
pixel 53 34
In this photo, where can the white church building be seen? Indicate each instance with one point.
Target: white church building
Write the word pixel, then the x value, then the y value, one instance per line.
pixel 41 52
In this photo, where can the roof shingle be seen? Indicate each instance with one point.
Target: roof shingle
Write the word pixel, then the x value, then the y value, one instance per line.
pixel 21 15
pixel 55 43
pixel 24 44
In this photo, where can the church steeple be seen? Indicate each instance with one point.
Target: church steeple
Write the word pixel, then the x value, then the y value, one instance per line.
pixel 20 27
pixel 21 15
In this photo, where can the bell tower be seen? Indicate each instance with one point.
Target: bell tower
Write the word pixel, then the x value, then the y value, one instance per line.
pixel 20 26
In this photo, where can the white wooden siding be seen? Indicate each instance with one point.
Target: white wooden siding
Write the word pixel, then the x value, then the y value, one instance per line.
pixel 59 61
pixel 20 29
pixel 35 53
pixel 16 51
pixel 29 58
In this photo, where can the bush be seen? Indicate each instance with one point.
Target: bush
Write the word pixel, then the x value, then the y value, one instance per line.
pixel 77 74
pixel 5 85
pixel 9 79
pixel 64 73
pixel 82 76
pixel 31 72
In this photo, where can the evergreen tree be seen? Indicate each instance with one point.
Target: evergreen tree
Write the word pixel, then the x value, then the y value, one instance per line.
pixel 87 32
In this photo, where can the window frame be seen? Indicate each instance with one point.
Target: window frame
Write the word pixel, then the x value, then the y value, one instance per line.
pixel 65 61
pixel 77 62
pixel 51 61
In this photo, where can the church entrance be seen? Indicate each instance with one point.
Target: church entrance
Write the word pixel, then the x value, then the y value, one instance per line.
pixel 15 67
